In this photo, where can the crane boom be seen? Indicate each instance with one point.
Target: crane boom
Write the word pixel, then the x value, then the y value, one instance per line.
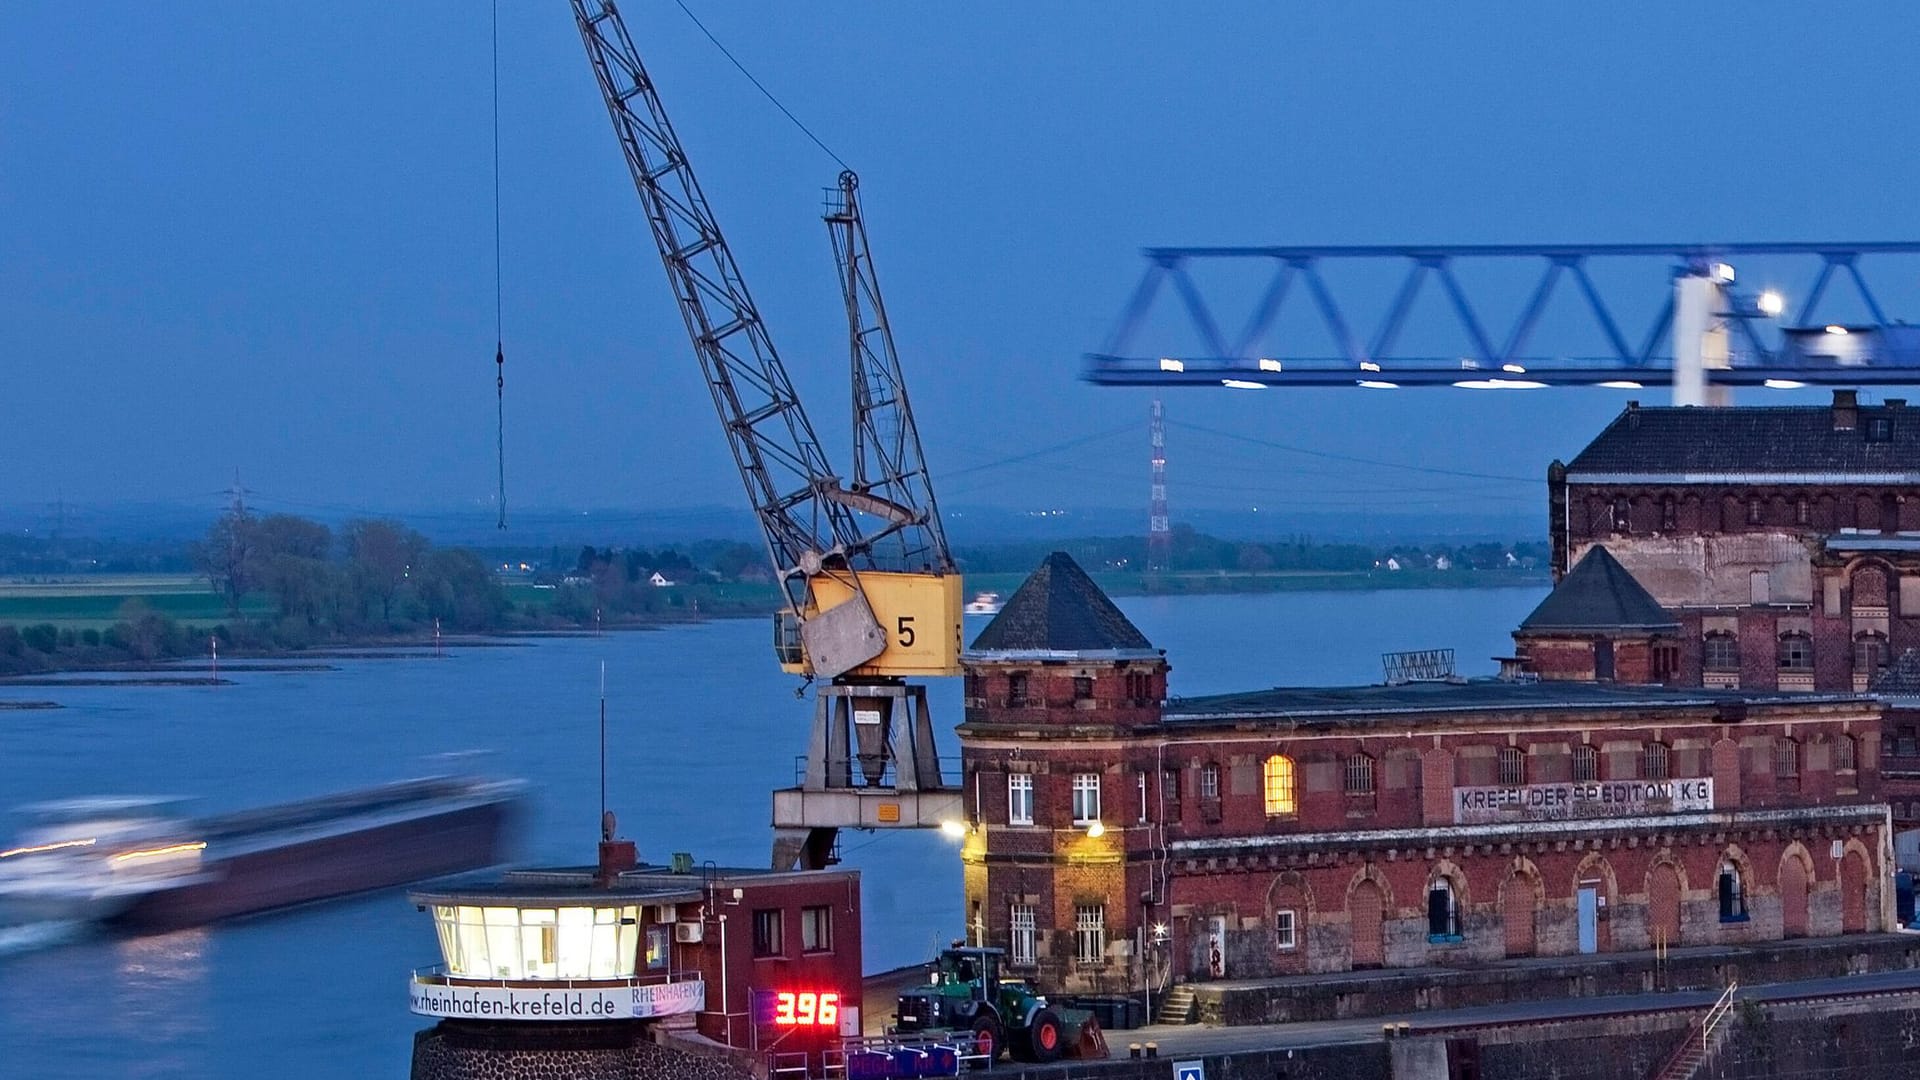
pixel 787 477
pixel 887 460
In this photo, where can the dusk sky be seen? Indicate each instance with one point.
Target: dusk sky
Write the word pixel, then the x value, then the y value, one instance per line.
pixel 259 236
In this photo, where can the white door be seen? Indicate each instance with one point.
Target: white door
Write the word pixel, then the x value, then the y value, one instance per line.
pixel 1589 920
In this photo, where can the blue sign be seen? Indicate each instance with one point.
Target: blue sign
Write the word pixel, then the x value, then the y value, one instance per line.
pixel 1189 1070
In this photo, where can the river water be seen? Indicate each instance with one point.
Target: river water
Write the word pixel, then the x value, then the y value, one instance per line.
pixel 701 726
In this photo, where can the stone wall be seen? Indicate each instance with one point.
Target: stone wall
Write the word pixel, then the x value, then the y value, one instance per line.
pixel 452 1050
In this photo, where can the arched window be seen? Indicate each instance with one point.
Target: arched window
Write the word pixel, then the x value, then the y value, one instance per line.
pixel 1513 766
pixel 1733 898
pixel 1653 762
pixel 1279 786
pixel 1869 653
pixel 1786 757
pixel 1586 764
pixel 1845 751
pixel 1720 652
pixel 1796 651
pixel 1669 514
pixel 1443 911
pixel 1359 775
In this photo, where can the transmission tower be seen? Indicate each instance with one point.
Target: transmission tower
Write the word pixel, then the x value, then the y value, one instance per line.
pixel 1159 537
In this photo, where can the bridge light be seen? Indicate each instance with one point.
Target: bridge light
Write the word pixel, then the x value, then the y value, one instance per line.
pixel 1168 363
pixel 1621 384
pixel 1242 384
pixel 1772 304
pixel 1368 365
pixel 1376 384
pixel 1723 273
pixel 1269 365
pixel 1836 328
pixel 1514 368
pixel 1784 384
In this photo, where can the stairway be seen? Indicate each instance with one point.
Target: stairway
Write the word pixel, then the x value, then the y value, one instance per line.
pixel 1703 1036
pixel 1177 1006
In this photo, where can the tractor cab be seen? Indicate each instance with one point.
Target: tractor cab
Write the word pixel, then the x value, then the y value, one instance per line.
pixel 965 994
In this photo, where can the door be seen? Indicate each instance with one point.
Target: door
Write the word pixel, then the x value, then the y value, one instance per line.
pixel 1793 898
pixel 1589 920
pixel 1517 916
pixel 1217 947
pixel 1663 905
pixel 1853 894
pixel 1366 912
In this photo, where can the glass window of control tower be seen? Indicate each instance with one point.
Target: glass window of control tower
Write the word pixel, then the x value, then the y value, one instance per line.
pixel 536 944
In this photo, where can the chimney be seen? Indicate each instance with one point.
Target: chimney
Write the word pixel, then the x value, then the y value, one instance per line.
pixel 1846 410
pixel 1633 416
pixel 616 856
pixel 1896 403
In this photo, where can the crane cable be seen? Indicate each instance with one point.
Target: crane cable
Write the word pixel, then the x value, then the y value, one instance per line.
pixel 499 333
pixel 757 85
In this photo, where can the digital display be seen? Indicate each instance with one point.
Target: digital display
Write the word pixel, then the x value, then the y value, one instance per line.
pixel 805 1009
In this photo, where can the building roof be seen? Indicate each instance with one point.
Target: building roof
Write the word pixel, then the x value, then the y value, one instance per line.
pixel 1598 594
pixel 568 886
pixel 1469 696
pixel 1902 677
pixel 1059 610
pixel 1744 440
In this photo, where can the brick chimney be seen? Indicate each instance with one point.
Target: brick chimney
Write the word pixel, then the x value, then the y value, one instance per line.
pixel 1846 410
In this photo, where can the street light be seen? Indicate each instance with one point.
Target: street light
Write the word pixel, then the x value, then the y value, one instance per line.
pixel 1772 304
pixel 1096 830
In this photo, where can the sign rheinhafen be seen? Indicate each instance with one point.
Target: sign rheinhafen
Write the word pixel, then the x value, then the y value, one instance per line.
pixel 1591 799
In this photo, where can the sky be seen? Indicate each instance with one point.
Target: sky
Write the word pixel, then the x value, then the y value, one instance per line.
pixel 259 237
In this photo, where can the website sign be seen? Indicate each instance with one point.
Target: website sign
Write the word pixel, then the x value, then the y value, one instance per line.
pixel 433 996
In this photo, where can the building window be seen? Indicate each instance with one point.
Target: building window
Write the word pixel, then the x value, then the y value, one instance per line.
pixel 1653 762
pixel 1879 429
pixel 1140 781
pixel 1753 511
pixel 1086 798
pixel 1844 751
pixel 1669 515
pixel 1278 785
pixel 1622 518
pixel 1359 775
pixel 1090 933
pixel 659 947
pixel 1140 687
pixel 1020 799
pixel 1209 781
pixel 1905 742
pixel 1786 757
pixel 1513 766
pixel 1082 688
pixel 1733 899
pixel 1586 764
pixel 1443 912
pixel 1796 652
pixel 1017 689
pixel 1021 945
pixel 1720 652
pixel 1666 661
pixel 1800 512
pixel 1870 653
pixel 1283 934
pixel 766 933
pixel 1170 794
pixel 816 929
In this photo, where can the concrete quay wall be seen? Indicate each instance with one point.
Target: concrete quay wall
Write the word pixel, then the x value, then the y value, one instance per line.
pixel 453 1050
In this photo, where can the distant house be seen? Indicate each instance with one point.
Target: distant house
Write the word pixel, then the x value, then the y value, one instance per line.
pixel 1393 564
pixel 1441 562
pixel 658 580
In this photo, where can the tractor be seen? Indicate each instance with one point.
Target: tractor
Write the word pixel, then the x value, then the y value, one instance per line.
pixel 966 997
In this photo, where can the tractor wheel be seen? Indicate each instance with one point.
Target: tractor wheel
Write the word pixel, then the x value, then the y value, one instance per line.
pixel 1045 1037
pixel 988 1040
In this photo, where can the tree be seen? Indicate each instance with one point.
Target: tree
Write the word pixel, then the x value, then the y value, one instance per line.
pixel 380 555
pixel 226 556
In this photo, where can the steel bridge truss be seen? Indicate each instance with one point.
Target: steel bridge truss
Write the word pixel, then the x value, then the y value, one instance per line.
pixel 1764 345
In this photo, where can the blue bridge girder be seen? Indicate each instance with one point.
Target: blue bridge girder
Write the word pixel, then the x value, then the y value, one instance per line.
pixel 1765 348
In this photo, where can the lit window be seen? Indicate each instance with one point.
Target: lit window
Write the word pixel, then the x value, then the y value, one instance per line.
pixel 766 933
pixel 540 943
pixel 1019 799
pixel 1653 762
pixel 1283 935
pixel 1786 757
pixel 1796 652
pixel 1209 781
pixel 1278 785
pixel 1022 950
pixel 1086 798
pixel 1720 652
pixel 1090 933
pixel 659 947
pixel 1586 764
pixel 1733 899
pixel 1359 775
pixel 1443 912
pixel 816 929
pixel 1844 750
pixel 1513 766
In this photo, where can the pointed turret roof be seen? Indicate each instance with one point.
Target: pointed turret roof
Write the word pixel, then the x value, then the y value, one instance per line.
pixel 1059 609
pixel 1599 594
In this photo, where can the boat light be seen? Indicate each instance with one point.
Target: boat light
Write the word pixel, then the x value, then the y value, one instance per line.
pixel 150 853
pixel 38 848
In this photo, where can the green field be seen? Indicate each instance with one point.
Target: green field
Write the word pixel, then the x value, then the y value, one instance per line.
pixel 97 602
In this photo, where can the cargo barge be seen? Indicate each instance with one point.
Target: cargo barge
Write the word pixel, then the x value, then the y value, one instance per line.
pixel 203 870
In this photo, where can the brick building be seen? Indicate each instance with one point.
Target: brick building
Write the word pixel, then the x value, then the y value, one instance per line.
pixel 1119 839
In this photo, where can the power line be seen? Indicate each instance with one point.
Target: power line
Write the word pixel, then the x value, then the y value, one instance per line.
pixel 1354 460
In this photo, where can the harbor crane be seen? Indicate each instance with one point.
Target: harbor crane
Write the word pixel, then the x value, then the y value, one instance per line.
pixel 871 595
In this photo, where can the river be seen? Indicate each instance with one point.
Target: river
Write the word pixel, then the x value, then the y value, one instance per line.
pixel 701 726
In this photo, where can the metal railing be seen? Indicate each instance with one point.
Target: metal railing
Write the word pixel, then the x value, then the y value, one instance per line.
pixel 852 768
pixel 439 972
pixel 1691 1052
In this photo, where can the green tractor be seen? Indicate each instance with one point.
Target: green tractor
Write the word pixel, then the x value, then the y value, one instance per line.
pixel 966 998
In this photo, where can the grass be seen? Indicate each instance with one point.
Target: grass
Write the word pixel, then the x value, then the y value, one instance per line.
pixel 95 602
